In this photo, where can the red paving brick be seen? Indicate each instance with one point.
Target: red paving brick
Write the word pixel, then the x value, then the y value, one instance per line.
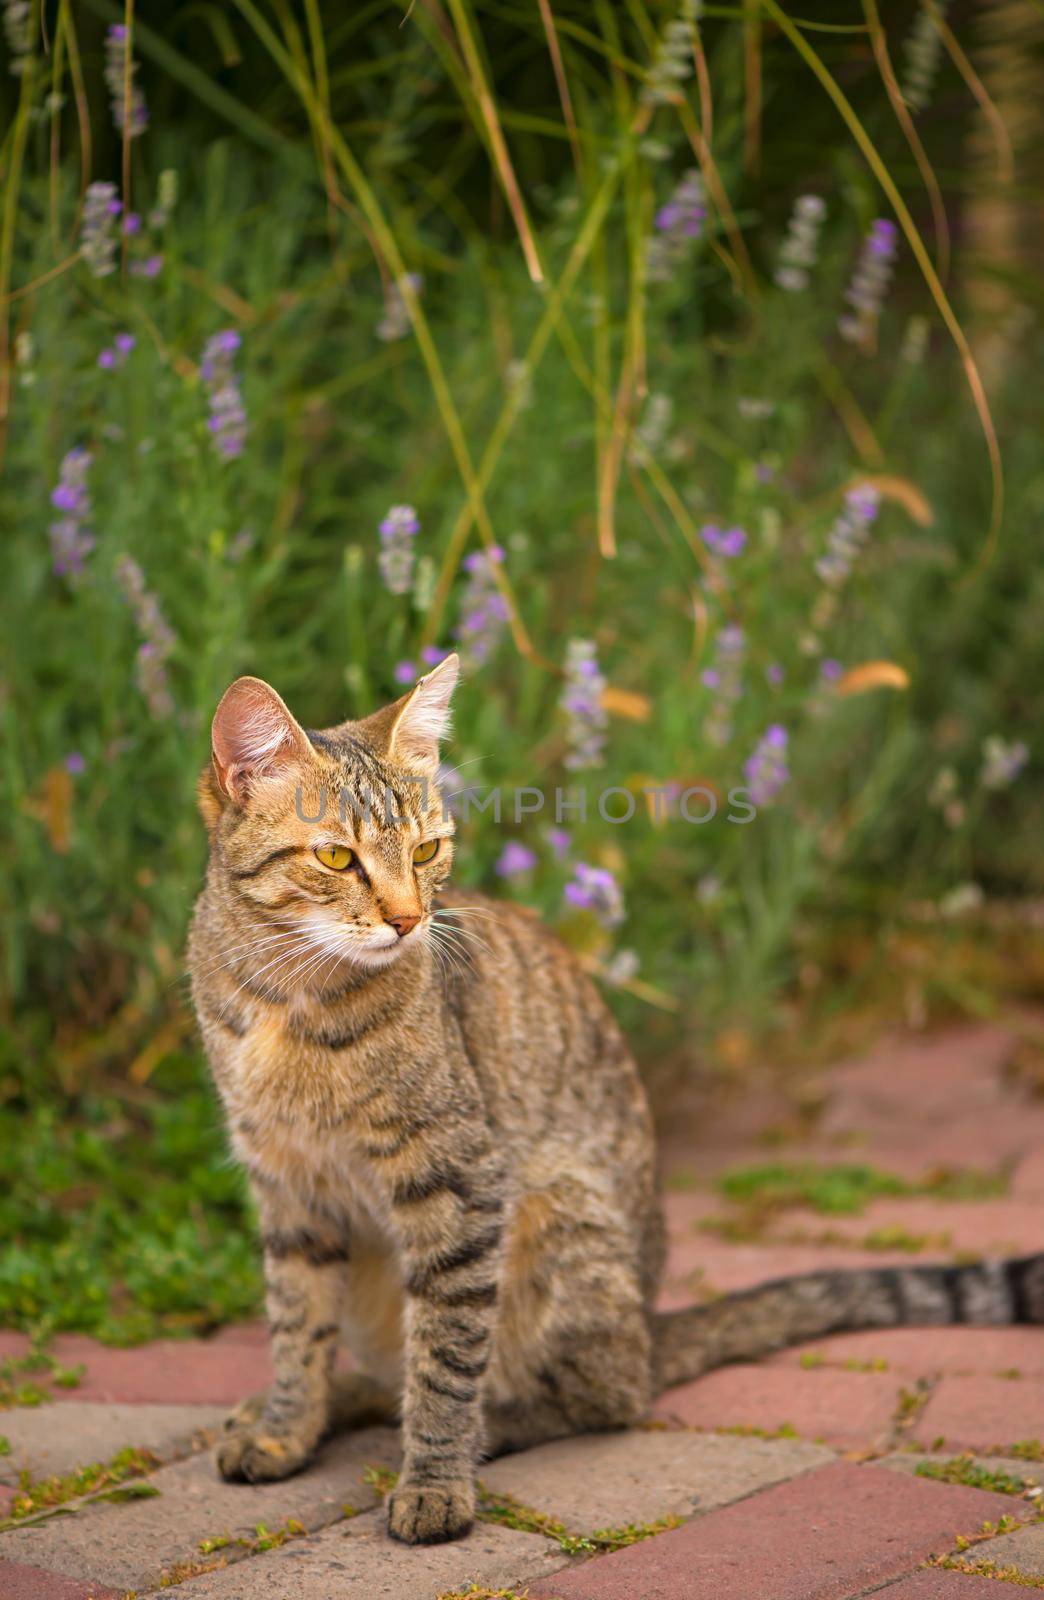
pixel 252 1333
pixel 980 1227
pixel 169 1371
pixel 844 1408
pixel 924 1352
pixel 1028 1180
pixel 18 1582
pixel 978 1413
pixel 704 1261
pixel 824 1536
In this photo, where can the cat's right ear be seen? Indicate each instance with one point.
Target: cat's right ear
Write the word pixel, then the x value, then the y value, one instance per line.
pixel 253 737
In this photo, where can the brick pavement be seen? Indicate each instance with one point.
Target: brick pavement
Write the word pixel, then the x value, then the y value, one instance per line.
pixel 795 1478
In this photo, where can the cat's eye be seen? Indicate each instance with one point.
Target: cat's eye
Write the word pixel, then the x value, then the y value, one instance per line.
pixel 425 852
pixel 337 856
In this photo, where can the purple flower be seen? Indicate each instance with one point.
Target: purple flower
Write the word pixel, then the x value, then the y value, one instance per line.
pixel 228 420
pixel 405 672
pixel 581 700
pixel 725 677
pixel 766 770
pixel 132 223
pixel 118 69
pixel 74 764
pixel 801 245
pixel 726 542
pixel 398 529
pixel 97 235
pixel 595 889
pixel 1002 762
pixel 677 223
pixel 432 654
pixel 151 267
pixel 763 472
pixel 483 609
pixel 873 273
pixel 848 535
pixel 831 670
pixel 71 538
pixel 115 355
pixel 515 858
pixel 774 674
pixel 559 840
pixel 157 638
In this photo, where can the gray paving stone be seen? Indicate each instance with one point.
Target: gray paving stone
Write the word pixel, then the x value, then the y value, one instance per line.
pixel 59 1438
pixel 130 1545
pixel 1023 1549
pixel 357 1559
pixel 606 1480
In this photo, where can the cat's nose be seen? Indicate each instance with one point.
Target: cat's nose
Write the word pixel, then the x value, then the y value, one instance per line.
pixel 402 925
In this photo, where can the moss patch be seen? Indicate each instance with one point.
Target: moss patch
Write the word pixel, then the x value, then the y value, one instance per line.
pixel 964 1469
pixel 844 1189
pixel 29 1380
pixel 46 1494
pixel 987 1569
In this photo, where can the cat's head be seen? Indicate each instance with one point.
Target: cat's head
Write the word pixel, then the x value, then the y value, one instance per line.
pixel 339 837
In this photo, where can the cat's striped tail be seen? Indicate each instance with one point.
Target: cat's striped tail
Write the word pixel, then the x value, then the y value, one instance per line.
pixel 786 1311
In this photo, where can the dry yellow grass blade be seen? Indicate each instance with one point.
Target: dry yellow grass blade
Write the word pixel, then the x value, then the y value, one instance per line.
pixel 626 703
pixel 850 413
pixel 547 17
pixel 877 166
pixel 879 41
pixel 1001 137
pixel 902 492
pixel 873 675
pixel 636 986
pixel 498 146
pixel 170 1036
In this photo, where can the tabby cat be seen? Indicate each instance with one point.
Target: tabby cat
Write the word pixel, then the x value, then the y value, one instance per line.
pixel 448 1141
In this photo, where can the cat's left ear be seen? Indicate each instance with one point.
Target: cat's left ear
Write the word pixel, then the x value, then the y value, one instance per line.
pixel 422 719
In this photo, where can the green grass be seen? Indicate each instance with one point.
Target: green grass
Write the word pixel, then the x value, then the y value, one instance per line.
pixel 129 1220
pixel 845 1189
pixel 964 1469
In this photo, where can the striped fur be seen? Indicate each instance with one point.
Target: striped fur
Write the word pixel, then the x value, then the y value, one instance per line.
pixel 448 1141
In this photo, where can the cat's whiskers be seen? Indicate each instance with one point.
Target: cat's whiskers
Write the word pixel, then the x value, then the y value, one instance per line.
pixel 298 946
pixel 439 918
pixel 439 940
pixel 452 940
pixel 232 953
pixel 447 961
pixel 229 955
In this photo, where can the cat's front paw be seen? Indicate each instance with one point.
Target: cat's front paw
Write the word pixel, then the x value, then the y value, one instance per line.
pixel 249 1453
pixel 431 1513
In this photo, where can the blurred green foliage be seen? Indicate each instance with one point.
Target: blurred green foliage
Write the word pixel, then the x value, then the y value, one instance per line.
pixel 591 425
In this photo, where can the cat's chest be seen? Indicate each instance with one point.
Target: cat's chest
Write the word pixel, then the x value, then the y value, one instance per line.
pixel 293 1107
pixel 285 1066
pixel 311 1165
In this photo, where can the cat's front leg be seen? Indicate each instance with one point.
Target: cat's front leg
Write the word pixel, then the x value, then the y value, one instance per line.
pixel 449 1219
pixel 304 1271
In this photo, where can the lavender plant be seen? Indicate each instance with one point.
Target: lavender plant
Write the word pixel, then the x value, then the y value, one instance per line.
pixel 129 111
pixel 228 419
